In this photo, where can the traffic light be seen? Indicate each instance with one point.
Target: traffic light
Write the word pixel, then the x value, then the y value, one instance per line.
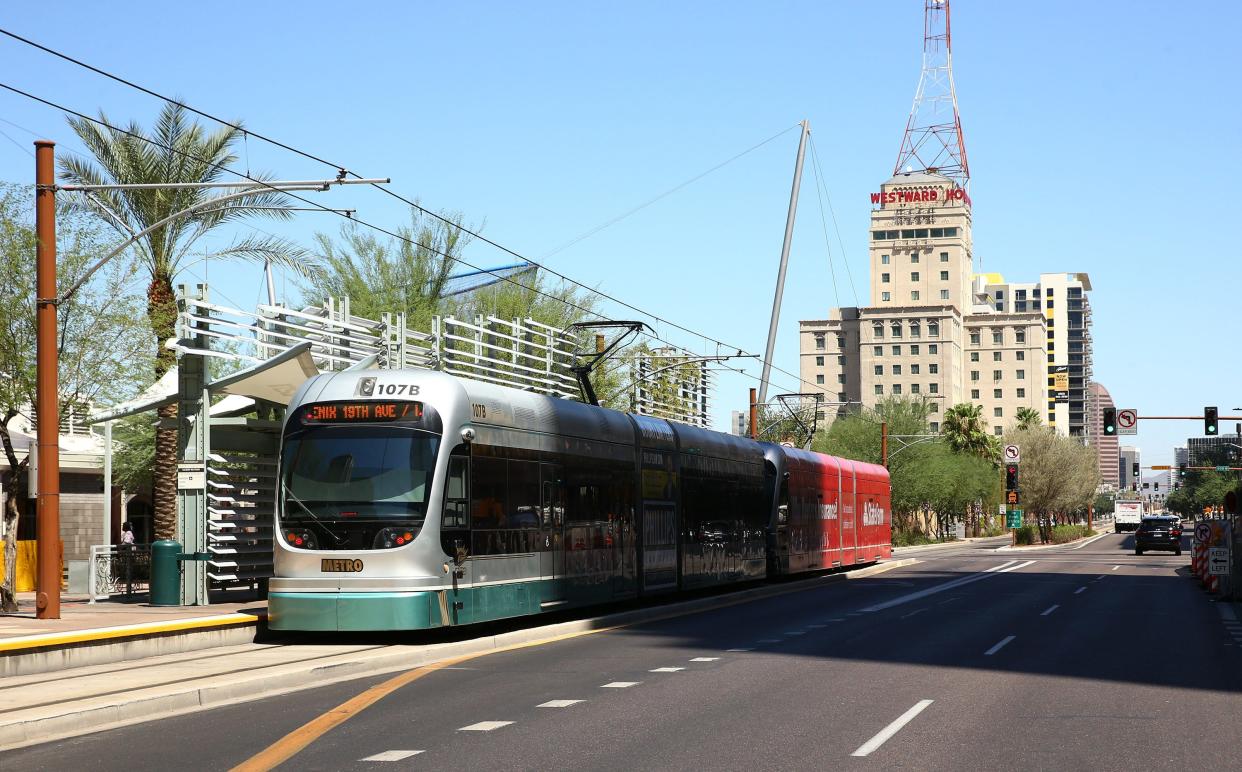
pixel 1209 421
pixel 1011 477
pixel 1157 485
pixel 1181 470
pixel 1110 422
pixel 1136 470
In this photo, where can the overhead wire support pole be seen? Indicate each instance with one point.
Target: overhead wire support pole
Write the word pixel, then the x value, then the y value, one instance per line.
pixel 780 275
pixel 47 525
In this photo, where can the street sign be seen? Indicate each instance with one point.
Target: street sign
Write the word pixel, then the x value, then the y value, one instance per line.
pixel 1002 510
pixel 1127 421
pixel 1218 561
pixel 1222 469
pixel 1203 533
pixel 1158 467
pixel 1014 519
pixel 1011 497
pixel 1012 454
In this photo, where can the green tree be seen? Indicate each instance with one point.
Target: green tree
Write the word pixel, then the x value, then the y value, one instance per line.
pixel 1028 418
pixel 1058 475
pixel 966 432
pixel 178 150
pixel 101 338
pixel 405 275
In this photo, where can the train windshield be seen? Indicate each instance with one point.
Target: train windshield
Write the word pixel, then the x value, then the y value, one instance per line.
pixel 341 474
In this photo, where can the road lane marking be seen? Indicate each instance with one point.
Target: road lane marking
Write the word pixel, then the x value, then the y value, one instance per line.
pixel 558 703
pixel 704 659
pixel 838 619
pixel 620 684
pixel 666 670
pixel 1004 568
pixel 892 729
pixel 1004 641
pixel 485 726
pixel 816 627
pixel 912 613
pixel 1079 590
pixel 738 650
pixel 1116 567
pixel 392 756
pixel 769 640
pixel 796 632
pixel 1050 609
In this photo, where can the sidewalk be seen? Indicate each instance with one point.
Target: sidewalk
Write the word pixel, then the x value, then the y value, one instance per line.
pixel 110 631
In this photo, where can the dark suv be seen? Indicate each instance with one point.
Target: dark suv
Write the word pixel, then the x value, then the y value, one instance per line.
pixel 1158 533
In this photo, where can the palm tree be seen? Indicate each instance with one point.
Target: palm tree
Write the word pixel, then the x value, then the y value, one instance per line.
pixel 1028 418
pixel 964 429
pixel 177 151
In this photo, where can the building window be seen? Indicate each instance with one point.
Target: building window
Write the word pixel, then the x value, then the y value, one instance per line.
pixel 877 351
pixel 841 360
pixel 914 349
pixel 1022 375
pixel 974 375
pixel 1021 356
pixel 944 276
pixel 1050 332
pixel 944 294
pixel 1020 306
pixel 896 369
pixel 895 329
pixel 933 368
pixel 1052 357
pixel 1048 304
pixel 1000 306
pixel 934 388
pixel 840 341
pixel 974 339
pixel 914 294
pixel 935 426
pixel 896 351
pixel 1035 304
pixel 996 374
pixel 885 278
pixel 883 259
pixel 998 412
pixel 974 356
pixel 879 388
pixel 974 394
pixel 944 256
pixel 996 394
pixel 1051 381
pixel 819 361
pixel 1019 294
pixel 933 348
pixel 1000 294
pixel 914 257
pixel 996 356
pixel 916 331
pixel 1052 418
pixel 997 430
pixel 1048 292
pixel 914 276
pixel 896 388
pixel 914 388
pixel 1052 345
pixel 933 331
pixel 879 369
pixel 842 397
pixel 997 339
pixel 1052 322
pixel 841 378
pixel 1021 393
pixel 885 297
pixel 819 342
pixel 914 369
pixel 819 378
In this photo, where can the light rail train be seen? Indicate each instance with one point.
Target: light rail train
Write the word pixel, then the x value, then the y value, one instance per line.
pixel 411 499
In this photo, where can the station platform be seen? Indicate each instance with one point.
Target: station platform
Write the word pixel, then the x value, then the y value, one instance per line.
pixel 111 631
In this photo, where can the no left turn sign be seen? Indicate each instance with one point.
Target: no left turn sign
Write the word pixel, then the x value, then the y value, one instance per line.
pixel 1012 454
pixel 1127 422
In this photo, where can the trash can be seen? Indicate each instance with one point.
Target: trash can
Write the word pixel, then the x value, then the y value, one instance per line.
pixel 166 573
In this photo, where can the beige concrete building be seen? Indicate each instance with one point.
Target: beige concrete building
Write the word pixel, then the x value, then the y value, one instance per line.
pixel 934 329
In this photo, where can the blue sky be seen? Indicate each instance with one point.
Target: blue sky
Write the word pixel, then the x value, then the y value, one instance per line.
pixel 1099 137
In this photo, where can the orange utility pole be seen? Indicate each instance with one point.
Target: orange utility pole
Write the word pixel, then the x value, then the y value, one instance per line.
pixel 884 444
pixel 754 417
pixel 47 535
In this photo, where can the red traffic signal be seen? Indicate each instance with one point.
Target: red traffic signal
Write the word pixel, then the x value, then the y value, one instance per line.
pixel 1011 477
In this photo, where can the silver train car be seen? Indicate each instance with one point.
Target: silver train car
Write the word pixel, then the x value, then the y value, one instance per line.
pixel 411 499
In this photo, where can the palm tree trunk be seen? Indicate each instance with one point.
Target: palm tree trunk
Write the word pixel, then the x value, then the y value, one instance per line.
pixel 162 315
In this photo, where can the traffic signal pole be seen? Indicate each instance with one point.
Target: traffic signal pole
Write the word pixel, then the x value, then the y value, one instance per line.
pixel 47 510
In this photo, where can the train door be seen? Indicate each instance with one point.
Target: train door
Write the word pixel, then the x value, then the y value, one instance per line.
pixel 551 535
pixel 454 601
pixel 849 514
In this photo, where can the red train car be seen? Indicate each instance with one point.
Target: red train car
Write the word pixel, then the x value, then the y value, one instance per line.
pixel 828 512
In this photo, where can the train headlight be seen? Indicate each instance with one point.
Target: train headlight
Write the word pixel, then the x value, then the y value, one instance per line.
pixel 397 536
pixel 467 434
pixel 301 538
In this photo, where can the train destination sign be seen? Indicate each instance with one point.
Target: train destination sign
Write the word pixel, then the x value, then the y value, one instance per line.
pixel 361 412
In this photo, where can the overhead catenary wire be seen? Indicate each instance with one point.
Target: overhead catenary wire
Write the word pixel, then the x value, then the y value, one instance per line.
pixel 411 203
pixel 844 257
pixel 377 228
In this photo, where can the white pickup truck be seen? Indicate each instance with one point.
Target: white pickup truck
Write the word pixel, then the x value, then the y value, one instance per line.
pixel 1127 515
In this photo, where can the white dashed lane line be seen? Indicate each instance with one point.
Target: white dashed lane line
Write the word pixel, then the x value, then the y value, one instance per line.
pixel 1116 567
pixel 738 650
pixel 912 613
pixel 485 726
pixel 1079 590
pixel 558 703
pixel 1050 609
pixel 620 684
pixel 1004 642
pixel 816 627
pixel 796 632
pixel 705 659
pixel 666 670
pixel 392 756
pixel 875 742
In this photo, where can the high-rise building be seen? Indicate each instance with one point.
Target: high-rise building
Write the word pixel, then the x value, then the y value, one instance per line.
pixel 1128 456
pixel 1106 447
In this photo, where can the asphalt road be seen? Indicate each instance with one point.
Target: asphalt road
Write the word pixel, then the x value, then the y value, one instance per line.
pixel 1069 658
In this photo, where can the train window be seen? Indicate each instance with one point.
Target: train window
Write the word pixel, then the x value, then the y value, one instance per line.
pixel 523 509
pixel 455 492
pixel 487 495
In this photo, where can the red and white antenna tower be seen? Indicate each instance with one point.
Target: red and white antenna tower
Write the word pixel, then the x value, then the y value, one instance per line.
pixel 933 140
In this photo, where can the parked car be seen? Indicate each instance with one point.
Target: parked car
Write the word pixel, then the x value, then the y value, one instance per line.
pixel 1158 533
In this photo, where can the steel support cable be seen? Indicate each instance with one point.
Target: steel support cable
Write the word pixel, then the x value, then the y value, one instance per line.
pixel 835 226
pixel 416 205
pixel 377 228
pixel 823 220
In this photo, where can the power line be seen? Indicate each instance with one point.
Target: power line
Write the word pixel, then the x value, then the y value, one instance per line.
pixel 409 202
pixel 317 205
pixel 835 226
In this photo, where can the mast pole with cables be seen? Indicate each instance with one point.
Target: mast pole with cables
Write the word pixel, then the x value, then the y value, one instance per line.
pixel 780 274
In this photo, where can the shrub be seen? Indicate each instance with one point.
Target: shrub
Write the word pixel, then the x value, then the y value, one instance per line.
pixel 1066 533
pixel 911 538
pixel 1025 535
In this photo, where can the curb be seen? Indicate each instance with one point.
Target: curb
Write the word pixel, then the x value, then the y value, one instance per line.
pixel 1074 545
pixel 90 715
